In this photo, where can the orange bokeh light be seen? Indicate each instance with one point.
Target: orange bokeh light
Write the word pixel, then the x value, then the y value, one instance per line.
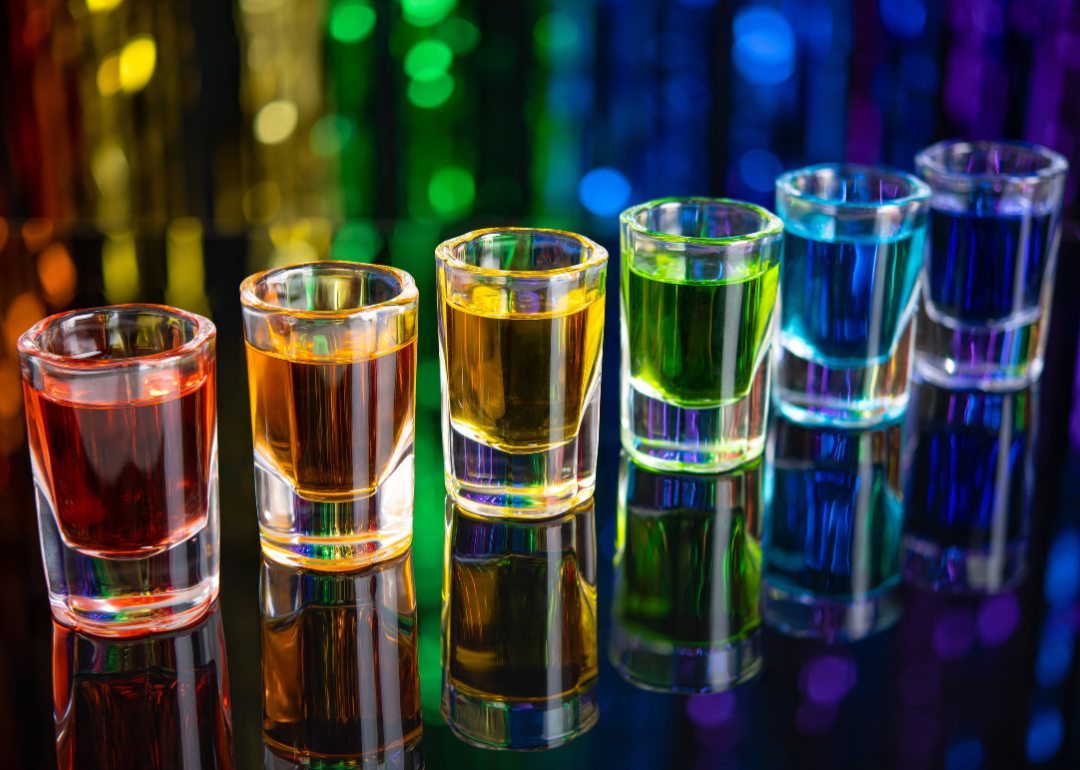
pixel 57 274
pixel 37 233
pixel 23 312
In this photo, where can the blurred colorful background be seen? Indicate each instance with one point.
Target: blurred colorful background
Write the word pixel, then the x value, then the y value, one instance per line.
pixel 162 150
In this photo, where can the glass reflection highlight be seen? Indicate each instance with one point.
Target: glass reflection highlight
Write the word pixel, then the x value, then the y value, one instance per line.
pixel 687 578
pixel 341 687
pixel 519 628
pixel 158 701
pixel 970 478
pixel 833 522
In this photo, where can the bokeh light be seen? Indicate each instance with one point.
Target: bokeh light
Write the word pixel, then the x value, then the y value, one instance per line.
pixel 711 710
pixel 557 36
pixel 827 679
pixel 451 190
pixel 110 169
pixel 276 121
pixel 57 274
pixel 37 233
pixel 903 18
pixel 138 59
pixel 1046 731
pixel 964 755
pixel 351 21
pixel 424 13
pixel 120 268
pixel 461 35
pixel 759 169
pixel 102 6
pixel 1061 585
pixel 764 50
pixel 357 242
pixel 604 191
pixel 998 618
pixel 428 60
pixel 428 94
pixel 23 312
pixel 954 634
pixel 10 388
pixel 1055 656
pixel 330 134
pixel 108 76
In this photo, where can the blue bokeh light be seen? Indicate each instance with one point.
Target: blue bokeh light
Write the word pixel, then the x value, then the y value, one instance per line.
pixel 965 755
pixel 1055 656
pixel 1045 734
pixel 687 95
pixel 903 18
pixel 764 50
pixel 604 191
pixel 759 169
pixel 920 71
pixel 1062 582
pixel 698 3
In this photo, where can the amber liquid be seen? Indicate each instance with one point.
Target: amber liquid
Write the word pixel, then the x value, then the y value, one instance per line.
pixel 333 430
pixel 340 675
pixel 126 479
pixel 520 382
pixel 521 617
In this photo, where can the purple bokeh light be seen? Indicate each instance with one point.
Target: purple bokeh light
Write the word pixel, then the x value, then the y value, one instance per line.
pixel 709 711
pixel 998 618
pixel 827 679
pixel 954 633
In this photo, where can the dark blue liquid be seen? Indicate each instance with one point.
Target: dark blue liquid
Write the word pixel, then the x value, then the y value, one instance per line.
pixel 823 496
pixel 986 268
pixel 953 483
pixel 846 299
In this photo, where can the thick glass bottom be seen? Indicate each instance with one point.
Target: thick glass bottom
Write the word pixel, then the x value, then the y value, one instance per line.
pixel 957 570
pixel 667 666
pixel 335 535
pixel 831 619
pixel 814 393
pixel 490 482
pixel 277 756
pixel 527 725
pixel 166 591
pixel 999 356
pixel 710 439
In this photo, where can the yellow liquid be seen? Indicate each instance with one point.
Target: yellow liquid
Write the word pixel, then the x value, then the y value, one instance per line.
pixel 519 382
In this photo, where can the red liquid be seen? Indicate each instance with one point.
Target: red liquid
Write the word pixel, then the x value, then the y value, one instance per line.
pixel 126 479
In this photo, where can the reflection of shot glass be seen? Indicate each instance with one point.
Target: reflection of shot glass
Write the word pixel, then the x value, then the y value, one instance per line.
pixel 157 700
pixel 332 371
pixel 521 326
pixel 853 252
pixel 995 225
pixel 833 521
pixel 969 471
pixel 122 418
pixel 687 579
pixel 699 284
pixel 341 682
pixel 519 628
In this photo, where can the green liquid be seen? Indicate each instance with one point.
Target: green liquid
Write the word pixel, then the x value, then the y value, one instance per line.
pixel 697 343
pixel 690 558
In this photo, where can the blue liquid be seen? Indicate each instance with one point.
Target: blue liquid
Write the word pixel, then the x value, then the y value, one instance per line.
pixel 846 300
pixel 954 482
pixel 987 268
pixel 834 520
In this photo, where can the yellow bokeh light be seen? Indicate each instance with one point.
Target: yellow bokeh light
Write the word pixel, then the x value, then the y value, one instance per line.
pixel 108 76
pixel 186 288
pixel 57 274
pixel 137 62
pixel 120 268
pixel 101 6
pixel 276 121
pixel 110 168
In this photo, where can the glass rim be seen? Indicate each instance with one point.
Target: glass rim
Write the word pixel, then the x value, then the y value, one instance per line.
pixel 773 224
pixel 205 332
pixel 920 190
pixel 928 158
pixel 407 295
pixel 447 252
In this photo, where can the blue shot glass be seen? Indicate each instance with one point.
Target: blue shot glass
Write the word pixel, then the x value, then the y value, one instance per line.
pixel 833 527
pixel 995 226
pixel 968 466
pixel 854 238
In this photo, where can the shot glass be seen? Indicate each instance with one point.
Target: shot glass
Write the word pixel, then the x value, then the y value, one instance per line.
pixel 699 285
pixel 122 422
pixel 519 628
pixel 854 238
pixel 833 525
pixel 159 700
pixel 331 351
pixel 995 226
pixel 687 578
pixel 341 681
pixel 969 470
pixel 521 327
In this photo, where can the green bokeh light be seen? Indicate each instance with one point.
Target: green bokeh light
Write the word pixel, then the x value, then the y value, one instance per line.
pixel 557 35
pixel 451 190
pixel 357 241
pixel 431 93
pixel 428 60
pixel 351 21
pixel 330 134
pixel 461 35
pixel 424 13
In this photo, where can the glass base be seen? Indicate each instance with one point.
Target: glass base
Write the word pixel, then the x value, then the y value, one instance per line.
pixel 663 666
pixel 956 570
pixel 666 437
pixel 830 619
pixel 489 482
pixel 814 393
pixel 1005 355
pixel 335 535
pixel 526 725
pixel 166 591
pixel 279 757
